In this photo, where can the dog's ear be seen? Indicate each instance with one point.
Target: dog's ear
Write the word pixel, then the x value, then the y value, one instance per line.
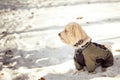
pixel 79 33
pixel 83 35
pixel 73 29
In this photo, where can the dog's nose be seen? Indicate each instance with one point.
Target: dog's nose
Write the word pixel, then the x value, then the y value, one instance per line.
pixel 58 34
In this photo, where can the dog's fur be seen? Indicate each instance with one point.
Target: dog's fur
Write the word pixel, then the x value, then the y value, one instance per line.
pixel 87 53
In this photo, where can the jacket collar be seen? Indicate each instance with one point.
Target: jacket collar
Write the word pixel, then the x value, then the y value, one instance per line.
pixel 78 43
pixel 82 44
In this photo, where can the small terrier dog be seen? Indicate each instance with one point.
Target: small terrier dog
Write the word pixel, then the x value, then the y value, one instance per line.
pixel 87 53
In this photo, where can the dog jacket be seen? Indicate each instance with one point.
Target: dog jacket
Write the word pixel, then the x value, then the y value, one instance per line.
pixel 92 55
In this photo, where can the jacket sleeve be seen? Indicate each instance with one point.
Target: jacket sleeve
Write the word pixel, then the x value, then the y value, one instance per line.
pixel 90 64
pixel 77 65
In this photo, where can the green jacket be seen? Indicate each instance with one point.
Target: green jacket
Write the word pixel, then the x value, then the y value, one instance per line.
pixel 92 56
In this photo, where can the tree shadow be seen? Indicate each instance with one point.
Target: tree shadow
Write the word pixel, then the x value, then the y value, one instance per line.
pixel 110 38
pixel 16 4
pixel 54 27
pixel 107 20
pixel 39 58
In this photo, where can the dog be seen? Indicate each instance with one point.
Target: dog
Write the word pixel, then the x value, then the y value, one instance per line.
pixel 87 53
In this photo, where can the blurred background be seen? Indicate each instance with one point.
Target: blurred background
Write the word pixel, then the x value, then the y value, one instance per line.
pixel 29 30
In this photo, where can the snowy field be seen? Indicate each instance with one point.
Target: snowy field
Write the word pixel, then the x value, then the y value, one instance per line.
pixel 30 35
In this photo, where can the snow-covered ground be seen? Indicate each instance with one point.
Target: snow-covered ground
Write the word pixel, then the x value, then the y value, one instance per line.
pixel 30 35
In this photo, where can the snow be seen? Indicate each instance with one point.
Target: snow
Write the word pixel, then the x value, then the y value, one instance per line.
pixel 31 33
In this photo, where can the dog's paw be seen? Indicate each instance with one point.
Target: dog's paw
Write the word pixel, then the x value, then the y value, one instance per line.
pixel 82 70
pixel 93 72
pixel 78 71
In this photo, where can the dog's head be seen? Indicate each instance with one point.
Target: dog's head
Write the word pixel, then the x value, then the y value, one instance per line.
pixel 73 33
